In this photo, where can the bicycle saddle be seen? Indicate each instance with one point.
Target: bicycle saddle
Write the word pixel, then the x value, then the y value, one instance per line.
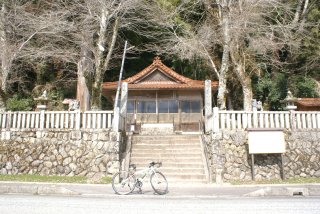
pixel 155 163
pixel 132 166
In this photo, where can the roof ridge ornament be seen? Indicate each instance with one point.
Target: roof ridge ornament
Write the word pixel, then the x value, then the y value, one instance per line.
pixel 157 60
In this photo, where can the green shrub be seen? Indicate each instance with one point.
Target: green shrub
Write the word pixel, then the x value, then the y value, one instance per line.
pixel 17 103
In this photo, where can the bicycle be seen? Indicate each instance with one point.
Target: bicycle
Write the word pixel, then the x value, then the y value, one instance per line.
pixel 124 182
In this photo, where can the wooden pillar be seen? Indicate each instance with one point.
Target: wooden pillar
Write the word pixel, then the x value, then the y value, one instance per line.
pixel 252 167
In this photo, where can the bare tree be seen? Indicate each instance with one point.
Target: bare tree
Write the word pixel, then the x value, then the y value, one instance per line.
pixel 20 23
pixel 248 32
pixel 93 36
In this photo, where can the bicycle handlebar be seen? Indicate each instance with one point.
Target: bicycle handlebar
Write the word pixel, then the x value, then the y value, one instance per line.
pixel 134 167
pixel 155 163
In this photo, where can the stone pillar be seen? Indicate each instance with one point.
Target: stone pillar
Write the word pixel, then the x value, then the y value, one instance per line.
pixel 116 118
pixel 208 106
pixel 123 106
pixel 124 99
pixel 42 109
pixel 215 119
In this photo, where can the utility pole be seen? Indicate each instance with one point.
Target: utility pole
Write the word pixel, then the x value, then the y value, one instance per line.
pixel 116 108
pixel 116 101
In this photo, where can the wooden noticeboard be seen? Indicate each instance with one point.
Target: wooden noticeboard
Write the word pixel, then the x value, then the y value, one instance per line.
pixel 266 141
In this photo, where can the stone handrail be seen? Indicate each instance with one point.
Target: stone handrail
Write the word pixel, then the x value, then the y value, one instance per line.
pixel 206 152
pixel 230 120
pixel 56 120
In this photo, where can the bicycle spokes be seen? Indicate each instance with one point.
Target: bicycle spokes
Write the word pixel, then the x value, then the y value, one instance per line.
pixel 123 182
pixel 159 183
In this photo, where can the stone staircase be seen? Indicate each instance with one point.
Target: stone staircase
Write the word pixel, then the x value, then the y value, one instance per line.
pixel 181 156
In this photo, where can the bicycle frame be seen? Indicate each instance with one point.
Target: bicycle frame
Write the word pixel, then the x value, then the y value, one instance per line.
pixel 128 180
pixel 144 173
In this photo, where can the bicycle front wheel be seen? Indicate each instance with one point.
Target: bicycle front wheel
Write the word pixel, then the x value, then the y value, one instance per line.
pixel 159 183
pixel 123 182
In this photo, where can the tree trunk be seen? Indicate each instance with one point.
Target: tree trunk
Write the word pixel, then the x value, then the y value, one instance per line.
pixel 222 90
pixel 245 82
pixel 298 12
pixel 4 60
pixel 102 61
pixel 85 68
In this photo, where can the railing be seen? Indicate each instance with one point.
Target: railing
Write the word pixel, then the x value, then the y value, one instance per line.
pixel 206 152
pixel 122 123
pixel 265 119
pixel 56 120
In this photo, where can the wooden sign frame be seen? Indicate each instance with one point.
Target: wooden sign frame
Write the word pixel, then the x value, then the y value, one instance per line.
pixel 266 141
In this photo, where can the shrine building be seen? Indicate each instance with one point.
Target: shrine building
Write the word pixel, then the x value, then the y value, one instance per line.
pixel 157 94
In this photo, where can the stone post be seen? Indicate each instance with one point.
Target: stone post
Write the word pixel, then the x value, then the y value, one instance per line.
pixel 208 105
pixel 215 119
pixel 123 104
pixel 78 119
pixel 116 118
pixel 42 109
pixel 255 113
pixel 219 179
pixel 293 119
pixel 6 120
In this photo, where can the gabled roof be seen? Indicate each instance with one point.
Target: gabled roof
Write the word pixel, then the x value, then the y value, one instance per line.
pixel 158 76
pixel 158 65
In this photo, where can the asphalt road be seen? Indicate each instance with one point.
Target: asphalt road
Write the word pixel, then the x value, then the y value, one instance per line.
pixel 36 204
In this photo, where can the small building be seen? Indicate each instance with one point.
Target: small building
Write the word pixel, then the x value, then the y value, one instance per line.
pixel 157 94
pixel 308 104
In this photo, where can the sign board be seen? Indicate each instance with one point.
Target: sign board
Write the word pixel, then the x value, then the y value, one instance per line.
pixel 265 141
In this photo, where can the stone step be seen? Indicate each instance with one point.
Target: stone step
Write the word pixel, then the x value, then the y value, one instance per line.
pixel 166 137
pixel 165 151
pixel 174 177
pixel 184 176
pixel 167 170
pixel 172 164
pixel 146 161
pixel 181 156
pixel 166 155
pixel 167 143
pixel 164 146
pixel 185 182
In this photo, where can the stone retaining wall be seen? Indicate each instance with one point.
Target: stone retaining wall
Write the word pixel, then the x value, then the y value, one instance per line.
pixel 91 153
pixel 229 153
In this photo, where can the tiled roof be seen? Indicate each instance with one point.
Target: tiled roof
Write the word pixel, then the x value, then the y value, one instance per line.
pixel 308 101
pixel 175 80
pixel 157 63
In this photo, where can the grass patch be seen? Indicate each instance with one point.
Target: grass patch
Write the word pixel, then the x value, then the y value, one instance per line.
pixel 106 180
pixel 278 181
pixel 42 178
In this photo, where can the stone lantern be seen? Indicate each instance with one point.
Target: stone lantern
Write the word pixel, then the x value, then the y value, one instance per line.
pixel 290 101
pixel 42 101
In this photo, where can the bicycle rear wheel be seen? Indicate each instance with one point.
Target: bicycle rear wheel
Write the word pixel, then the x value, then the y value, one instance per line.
pixel 159 183
pixel 123 182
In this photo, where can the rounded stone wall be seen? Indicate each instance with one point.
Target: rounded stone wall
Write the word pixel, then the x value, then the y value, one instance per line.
pixel 229 152
pixel 89 153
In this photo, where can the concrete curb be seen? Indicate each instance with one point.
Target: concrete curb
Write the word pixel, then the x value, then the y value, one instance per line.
pixel 36 190
pixel 177 191
pixel 279 191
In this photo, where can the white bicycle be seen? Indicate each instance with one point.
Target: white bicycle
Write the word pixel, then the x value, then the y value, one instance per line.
pixel 124 182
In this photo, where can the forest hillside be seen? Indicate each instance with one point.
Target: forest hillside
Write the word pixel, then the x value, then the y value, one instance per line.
pixel 256 49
